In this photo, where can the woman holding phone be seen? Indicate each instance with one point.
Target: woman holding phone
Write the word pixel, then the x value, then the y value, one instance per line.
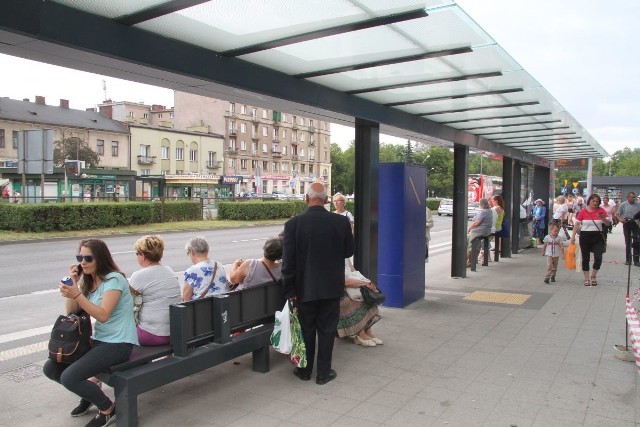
pixel 101 290
pixel 590 223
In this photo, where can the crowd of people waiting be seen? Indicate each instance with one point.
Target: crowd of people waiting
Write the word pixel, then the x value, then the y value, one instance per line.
pixel 135 311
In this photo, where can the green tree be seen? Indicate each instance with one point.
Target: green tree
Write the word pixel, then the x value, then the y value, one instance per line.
pixel 342 169
pixel 74 148
pixel 391 153
pixel 408 154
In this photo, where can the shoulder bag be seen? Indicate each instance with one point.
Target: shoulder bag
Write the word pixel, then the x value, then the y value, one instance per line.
pixel 601 235
pixel 70 338
pixel 213 277
pixel 371 297
pixel 137 304
pixel 269 271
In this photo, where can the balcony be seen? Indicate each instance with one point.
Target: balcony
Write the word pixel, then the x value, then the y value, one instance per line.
pixel 255 136
pixel 231 150
pixel 146 160
pixel 276 154
pixel 312 143
pixel 312 129
pixel 295 157
pixel 233 132
pixel 294 126
pixel 276 139
pixel 230 113
pixel 254 118
pixel 217 164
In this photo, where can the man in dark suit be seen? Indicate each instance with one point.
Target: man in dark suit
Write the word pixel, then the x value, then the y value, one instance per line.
pixel 316 244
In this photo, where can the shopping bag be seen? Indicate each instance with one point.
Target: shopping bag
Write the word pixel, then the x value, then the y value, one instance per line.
pixel 298 355
pixel 634 326
pixel 570 257
pixel 281 335
pixel 578 259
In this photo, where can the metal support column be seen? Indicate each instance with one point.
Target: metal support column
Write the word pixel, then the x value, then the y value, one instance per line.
pixel 542 190
pixel 515 192
pixel 367 154
pixel 460 202
pixel 511 208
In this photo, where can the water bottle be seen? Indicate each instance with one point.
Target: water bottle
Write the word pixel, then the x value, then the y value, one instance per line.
pixel 67 281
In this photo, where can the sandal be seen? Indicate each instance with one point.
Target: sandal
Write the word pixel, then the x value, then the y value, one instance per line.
pixel 594 282
pixel 587 283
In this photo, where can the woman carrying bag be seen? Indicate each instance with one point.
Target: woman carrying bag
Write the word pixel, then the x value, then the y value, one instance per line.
pixel 590 222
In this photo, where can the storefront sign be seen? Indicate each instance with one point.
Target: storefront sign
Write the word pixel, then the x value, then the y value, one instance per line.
pixel 231 180
pixel 572 165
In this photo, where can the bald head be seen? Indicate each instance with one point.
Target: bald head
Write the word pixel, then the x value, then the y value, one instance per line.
pixel 316 194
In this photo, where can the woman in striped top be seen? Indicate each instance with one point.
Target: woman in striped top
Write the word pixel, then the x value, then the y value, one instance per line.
pixel 589 222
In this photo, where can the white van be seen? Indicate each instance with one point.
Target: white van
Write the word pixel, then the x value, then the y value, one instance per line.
pixel 446 208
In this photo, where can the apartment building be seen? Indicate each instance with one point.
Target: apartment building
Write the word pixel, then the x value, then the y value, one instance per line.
pixel 265 151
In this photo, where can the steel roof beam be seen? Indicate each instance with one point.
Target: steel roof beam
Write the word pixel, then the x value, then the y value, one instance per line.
pixel 462 96
pixel 424 82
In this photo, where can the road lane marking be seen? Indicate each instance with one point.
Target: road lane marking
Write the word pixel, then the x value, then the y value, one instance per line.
pixel 25 334
pixel 39 347
pixel 250 240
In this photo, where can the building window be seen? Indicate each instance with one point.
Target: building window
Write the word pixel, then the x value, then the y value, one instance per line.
pixel 114 148
pixel 15 139
pixel 325 155
pixel 160 115
pixel 145 171
pixel 284 117
pixel 1 138
pixel 243 163
pixel 243 145
pixel 164 172
pixel 232 107
pixel 171 115
pixel 284 150
pixel 275 166
pixel 145 115
pixel 254 148
pixel 301 152
pixel 265 131
pixel 212 158
pixel 100 145
pixel 312 154
pixel 243 109
pixel 302 120
pixel 179 153
pixel 284 133
pixel 254 164
pixel 301 136
pixel 265 114
pixel 285 167
pixel 302 167
pixel 265 166
pixel 164 153
pixel 232 127
pixel 193 155
pixel 232 143
pixel 243 127
pixel 232 163
pixel 310 169
pixel 131 114
pixel 254 114
pixel 264 148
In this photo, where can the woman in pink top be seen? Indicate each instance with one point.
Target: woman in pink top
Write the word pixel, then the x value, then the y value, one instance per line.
pixel 590 222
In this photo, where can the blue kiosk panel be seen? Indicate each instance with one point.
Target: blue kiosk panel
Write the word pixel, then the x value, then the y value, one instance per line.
pixel 401 233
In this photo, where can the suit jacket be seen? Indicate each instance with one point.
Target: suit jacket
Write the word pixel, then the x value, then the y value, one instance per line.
pixel 316 242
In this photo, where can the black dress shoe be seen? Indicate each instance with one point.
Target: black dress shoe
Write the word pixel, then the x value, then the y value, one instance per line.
pixel 323 380
pixel 303 374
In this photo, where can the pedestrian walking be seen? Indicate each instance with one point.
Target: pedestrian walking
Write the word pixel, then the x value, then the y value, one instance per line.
pixel 553 248
pixel 627 210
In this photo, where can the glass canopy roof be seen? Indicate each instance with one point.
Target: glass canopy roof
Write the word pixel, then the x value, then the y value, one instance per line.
pixel 425 57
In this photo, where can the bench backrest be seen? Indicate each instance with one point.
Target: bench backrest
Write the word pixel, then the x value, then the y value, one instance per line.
pixel 214 318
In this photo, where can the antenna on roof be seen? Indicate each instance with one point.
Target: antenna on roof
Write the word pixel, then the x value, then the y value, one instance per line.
pixel 104 89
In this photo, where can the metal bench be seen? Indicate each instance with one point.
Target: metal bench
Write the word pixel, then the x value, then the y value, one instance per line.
pixel 201 337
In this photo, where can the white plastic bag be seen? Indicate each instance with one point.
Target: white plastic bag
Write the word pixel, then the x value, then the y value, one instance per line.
pixel 281 336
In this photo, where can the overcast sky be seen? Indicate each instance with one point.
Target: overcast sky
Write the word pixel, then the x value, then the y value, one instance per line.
pixel 584 52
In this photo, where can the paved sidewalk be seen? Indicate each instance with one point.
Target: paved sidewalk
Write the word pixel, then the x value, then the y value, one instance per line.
pixel 516 352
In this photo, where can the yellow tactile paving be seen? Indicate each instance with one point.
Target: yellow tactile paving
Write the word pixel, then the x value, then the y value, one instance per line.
pixel 498 297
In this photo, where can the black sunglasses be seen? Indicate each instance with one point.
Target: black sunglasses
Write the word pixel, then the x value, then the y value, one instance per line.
pixel 86 258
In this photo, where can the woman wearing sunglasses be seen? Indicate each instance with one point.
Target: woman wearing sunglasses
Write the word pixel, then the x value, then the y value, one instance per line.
pixel 101 290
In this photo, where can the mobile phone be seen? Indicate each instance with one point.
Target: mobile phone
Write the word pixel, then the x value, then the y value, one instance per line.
pixel 79 269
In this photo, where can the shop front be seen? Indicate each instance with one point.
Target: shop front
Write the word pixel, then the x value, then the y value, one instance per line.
pixel 194 186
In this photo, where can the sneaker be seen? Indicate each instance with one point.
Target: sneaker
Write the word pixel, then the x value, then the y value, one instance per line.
pixel 546 280
pixel 553 278
pixel 102 420
pixel 82 408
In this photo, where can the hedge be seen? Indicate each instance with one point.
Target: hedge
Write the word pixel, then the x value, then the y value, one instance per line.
pixel 245 211
pixel 86 216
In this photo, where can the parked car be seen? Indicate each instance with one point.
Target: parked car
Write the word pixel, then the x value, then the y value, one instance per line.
pixel 446 208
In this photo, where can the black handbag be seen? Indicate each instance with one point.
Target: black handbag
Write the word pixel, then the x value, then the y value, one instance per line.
pixel 372 297
pixel 70 338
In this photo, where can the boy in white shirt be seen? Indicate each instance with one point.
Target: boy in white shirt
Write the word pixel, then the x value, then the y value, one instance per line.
pixel 552 248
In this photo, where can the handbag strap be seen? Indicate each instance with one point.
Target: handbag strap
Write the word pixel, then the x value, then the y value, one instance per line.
pixel 599 231
pixel 269 271
pixel 213 277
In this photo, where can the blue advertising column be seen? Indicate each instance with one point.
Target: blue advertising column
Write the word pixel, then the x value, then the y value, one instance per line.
pixel 401 233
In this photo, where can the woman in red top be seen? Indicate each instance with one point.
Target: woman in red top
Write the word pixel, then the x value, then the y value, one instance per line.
pixel 590 222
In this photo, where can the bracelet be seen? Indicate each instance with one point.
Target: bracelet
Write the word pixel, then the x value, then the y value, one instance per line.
pixel 77 295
